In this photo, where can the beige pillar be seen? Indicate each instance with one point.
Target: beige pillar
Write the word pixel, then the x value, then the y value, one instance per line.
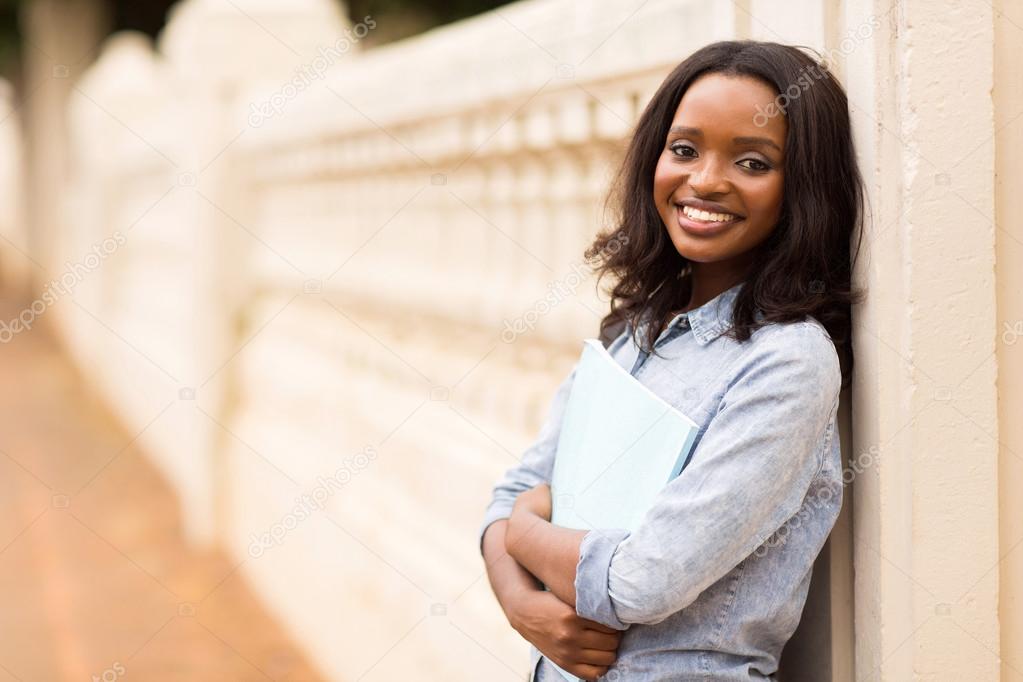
pixel 61 38
pixel 1008 98
pixel 925 441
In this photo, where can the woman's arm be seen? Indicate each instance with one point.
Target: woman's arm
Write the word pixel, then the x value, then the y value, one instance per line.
pixel 579 646
pixel 549 552
pixel 508 579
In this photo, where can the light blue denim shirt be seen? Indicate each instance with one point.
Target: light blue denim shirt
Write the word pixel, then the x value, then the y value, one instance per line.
pixel 713 581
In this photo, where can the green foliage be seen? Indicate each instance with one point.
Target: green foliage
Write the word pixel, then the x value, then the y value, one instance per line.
pixel 397 19
pixel 10 36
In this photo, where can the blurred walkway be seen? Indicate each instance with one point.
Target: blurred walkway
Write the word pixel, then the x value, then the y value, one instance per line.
pixel 95 581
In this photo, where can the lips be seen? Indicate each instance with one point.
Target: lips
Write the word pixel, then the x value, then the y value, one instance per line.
pixel 703 228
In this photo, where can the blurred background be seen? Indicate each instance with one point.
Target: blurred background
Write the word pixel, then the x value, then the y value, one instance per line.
pixel 287 284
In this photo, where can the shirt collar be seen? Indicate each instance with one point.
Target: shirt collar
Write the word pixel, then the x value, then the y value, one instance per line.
pixel 710 320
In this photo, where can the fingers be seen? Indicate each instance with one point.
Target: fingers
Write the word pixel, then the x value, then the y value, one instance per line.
pixel 591 639
pixel 600 627
pixel 597 657
pixel 588 672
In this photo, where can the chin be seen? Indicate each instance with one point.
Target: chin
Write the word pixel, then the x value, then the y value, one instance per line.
pixel 698 251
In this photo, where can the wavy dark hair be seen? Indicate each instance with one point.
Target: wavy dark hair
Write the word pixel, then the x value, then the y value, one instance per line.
pixel 804 266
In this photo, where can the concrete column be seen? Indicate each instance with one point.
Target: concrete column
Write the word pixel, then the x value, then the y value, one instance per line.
pixel 925 441
pixel 1008 98
pixel 61 38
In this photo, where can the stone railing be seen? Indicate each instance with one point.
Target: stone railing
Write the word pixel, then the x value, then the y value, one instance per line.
pixel 15 259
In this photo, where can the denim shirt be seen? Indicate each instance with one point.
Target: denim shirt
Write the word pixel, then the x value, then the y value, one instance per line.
pixel 712 582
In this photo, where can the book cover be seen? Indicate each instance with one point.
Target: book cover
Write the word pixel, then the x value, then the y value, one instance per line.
pixel 620 444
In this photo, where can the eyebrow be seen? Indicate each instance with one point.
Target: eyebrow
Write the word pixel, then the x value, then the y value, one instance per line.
pixel 696 132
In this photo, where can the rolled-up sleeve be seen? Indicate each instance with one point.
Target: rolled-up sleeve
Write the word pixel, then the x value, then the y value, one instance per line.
pixel 592 590
pixel 748 475
pixel 535 465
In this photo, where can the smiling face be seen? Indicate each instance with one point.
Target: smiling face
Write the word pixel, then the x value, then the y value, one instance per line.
pixel 718 183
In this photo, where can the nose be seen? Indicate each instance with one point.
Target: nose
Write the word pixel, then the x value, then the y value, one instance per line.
pixel 708 178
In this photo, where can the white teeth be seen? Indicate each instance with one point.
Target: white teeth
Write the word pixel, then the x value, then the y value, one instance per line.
pixel 697 214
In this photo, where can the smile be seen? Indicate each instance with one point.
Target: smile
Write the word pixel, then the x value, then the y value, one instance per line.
pixel 707 217
pixel 704 223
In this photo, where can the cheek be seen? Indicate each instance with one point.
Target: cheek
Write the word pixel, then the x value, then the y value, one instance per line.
pixel 665 180
pixel 766 200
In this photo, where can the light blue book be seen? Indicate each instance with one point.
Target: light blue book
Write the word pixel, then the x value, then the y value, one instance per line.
pixel 620 444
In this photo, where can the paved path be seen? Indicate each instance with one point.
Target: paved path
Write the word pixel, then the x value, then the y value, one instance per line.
pixel 96 582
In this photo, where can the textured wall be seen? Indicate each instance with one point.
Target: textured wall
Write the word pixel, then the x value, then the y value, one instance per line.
pixel 1008 137
pixel 925 407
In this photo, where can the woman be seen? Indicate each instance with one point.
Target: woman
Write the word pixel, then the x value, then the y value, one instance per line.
pixel 739 195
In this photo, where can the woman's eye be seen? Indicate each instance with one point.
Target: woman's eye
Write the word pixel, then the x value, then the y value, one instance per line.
pixel 682 150
pixel 757 165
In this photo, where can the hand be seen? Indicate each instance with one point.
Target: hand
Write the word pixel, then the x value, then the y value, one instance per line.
pixel 582 647
pixel 536 500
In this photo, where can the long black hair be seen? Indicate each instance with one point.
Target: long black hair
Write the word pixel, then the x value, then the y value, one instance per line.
pixel 804 266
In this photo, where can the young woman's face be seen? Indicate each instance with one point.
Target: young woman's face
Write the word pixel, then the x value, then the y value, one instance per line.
pixel 716 159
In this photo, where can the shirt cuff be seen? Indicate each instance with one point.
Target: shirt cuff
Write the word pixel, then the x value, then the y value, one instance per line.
pixel 592 597
pixel 498 509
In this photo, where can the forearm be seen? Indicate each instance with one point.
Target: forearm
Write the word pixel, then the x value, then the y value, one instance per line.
pixel 508 579
pixel 548 552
